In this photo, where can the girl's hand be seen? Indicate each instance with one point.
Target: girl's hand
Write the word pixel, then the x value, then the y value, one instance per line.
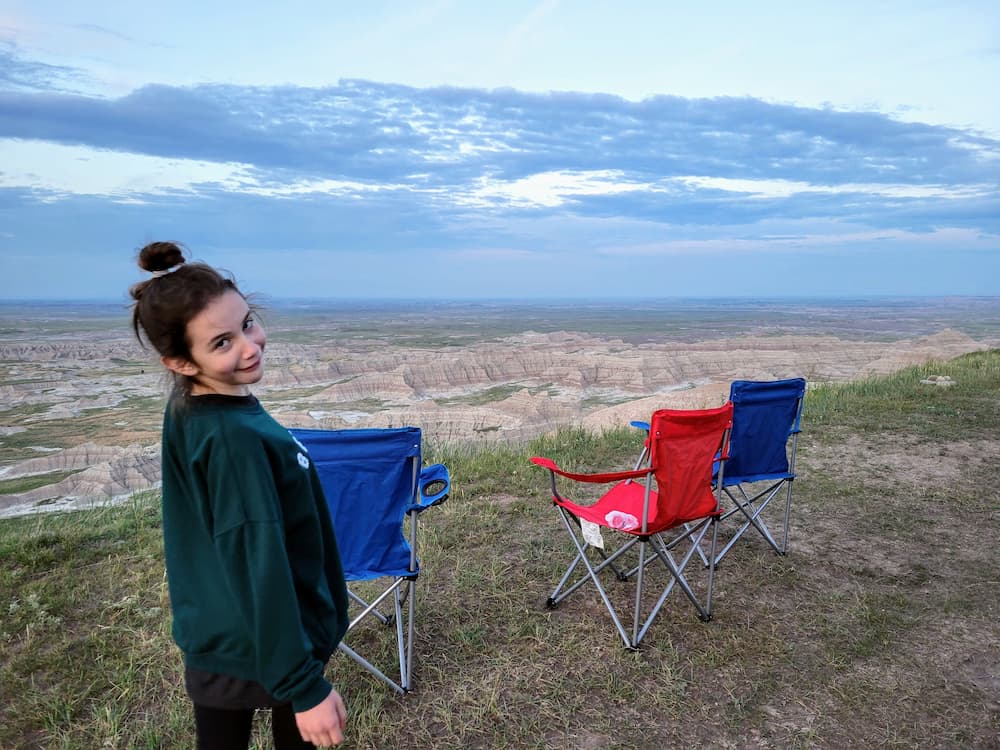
pixel 323 724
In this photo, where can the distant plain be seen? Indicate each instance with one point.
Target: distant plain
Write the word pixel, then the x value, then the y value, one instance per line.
pixel 81 401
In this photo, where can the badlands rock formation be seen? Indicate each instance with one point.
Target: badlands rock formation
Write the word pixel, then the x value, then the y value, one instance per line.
pixel 86 409
pixel 533 382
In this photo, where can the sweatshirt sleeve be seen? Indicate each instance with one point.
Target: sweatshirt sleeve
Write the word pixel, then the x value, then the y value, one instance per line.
pixel 250 540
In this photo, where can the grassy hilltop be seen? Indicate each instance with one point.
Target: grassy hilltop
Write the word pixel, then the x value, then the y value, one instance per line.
pixel 878 629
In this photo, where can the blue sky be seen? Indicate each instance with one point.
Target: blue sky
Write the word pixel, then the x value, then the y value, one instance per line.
pixel 549 148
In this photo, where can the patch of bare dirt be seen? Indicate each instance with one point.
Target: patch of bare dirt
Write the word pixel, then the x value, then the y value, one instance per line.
pixel 903 461
pixel 916 569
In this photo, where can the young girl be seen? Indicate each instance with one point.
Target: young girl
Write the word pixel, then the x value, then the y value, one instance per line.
pixel 256 588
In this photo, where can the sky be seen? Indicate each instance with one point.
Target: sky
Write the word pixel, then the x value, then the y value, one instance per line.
pixel 456 149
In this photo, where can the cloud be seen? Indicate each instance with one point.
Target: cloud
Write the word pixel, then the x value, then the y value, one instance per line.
pixel 104 31
pixel 19 74
pixel 665 159
pixel 483 176
pixel 362 130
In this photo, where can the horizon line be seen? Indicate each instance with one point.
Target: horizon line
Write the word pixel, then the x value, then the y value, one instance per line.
pixel 526 300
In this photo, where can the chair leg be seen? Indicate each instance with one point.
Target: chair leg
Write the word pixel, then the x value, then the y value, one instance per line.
pixel 662 551
pixel 607 561
pixel 622 576
pixel 638 593
pixel 751 508
pixel 384 619
pixel 556 597
pixel 370 667
pixel 592 573
pixel 411 596
pixel 788 515
pixel 711 570
pixel 677 569
pixel 404 681
pixel 401 590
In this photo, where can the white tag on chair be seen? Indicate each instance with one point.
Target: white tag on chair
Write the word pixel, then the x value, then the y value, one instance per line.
pixel 592 533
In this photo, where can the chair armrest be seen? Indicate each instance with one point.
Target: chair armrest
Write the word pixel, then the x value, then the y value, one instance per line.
pixel 434 485
pixel 547 463
pixel 640 425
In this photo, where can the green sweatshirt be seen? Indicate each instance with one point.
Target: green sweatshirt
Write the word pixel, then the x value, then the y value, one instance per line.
pixel 256 585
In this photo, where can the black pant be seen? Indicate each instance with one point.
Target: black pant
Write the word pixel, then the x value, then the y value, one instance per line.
pixel 229 729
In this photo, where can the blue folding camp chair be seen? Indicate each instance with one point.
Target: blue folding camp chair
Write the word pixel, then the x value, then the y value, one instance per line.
pixel 374 482
pixel 767 419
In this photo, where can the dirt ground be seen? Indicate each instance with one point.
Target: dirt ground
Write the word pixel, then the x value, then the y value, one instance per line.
pixel 921 554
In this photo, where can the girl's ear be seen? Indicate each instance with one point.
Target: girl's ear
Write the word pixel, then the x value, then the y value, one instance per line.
pixel 180 365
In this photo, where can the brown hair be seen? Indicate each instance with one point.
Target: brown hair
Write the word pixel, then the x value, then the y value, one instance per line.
pixel 165 303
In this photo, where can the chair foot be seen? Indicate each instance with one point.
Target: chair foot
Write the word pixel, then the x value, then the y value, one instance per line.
pixel 705 618
pixel 551 603
pixel 621 576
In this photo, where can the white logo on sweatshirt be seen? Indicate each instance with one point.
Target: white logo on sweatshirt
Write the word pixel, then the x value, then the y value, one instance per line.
pixel 303 461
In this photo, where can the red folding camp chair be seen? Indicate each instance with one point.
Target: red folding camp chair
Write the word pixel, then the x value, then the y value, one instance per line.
pixel 662 521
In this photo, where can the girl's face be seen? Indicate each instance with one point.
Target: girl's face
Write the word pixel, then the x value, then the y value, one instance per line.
pixel 227 348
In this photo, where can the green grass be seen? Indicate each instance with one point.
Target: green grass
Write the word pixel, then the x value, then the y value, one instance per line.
pixel 486 396
pixel 592 401
pixel 22 412
pixel 877 630
pixel 901 402
pixel 293 394
pixel 24 484
pixel 494 394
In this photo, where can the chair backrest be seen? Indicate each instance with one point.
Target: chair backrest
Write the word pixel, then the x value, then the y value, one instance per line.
pixel 683 446
pixel 369 477
pixel 765 415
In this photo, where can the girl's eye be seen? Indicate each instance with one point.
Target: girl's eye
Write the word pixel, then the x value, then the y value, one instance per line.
pixel 248 323
pixel 221 343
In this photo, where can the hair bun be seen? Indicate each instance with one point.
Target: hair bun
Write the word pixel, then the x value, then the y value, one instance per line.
pixel 159 256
